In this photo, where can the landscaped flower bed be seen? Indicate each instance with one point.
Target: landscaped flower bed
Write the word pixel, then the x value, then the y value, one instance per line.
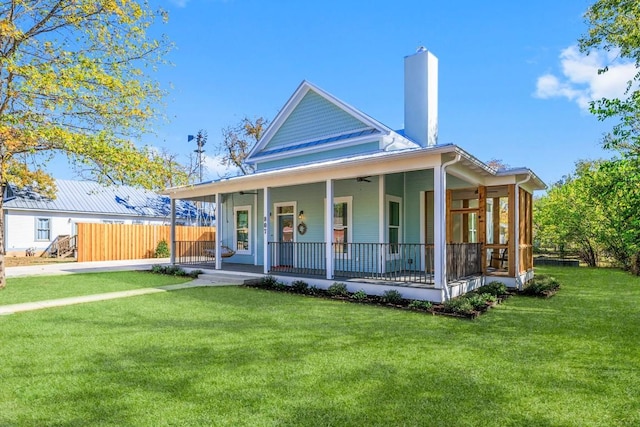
pixel 467 306
pixel 542 285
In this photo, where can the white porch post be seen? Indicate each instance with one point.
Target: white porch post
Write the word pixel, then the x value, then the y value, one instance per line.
pixel 266 224
pixel 255 229
pixel 218 232
pixel 328 230
pixel 172 231
pixel 439 227
pixel 516 237
pixel 381 223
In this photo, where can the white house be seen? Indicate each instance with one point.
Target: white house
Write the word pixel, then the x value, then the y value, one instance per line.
pixel 406 213
pixel 32 221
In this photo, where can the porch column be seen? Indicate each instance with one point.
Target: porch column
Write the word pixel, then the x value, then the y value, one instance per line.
pixel 516 234
pixel 266 225
pixel 254 231
pixel 328 230
pixel 512 230
pixel 439 227
pixel 218 232
pixel 172 232
pixel 382 235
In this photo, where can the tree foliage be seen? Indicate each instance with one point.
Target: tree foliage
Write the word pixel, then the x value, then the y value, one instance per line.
pixel 594 210
pixel 614 25
pixel 565 217
pixel 238 140
pixel 74 80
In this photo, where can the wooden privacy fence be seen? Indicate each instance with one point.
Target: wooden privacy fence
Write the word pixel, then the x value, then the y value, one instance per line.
pixel 107 242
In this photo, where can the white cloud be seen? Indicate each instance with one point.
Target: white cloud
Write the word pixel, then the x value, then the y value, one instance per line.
pixel 580 81
pixel 214 167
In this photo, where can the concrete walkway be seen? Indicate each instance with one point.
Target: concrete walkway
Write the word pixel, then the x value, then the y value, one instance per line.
pixel 208 278
pixel 83 267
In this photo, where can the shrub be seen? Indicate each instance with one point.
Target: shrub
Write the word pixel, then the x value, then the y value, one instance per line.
pixel 300 286
pixel 420 305
pixel 541 285
pixel 476 301
pixel 171 270
pixel 279 286
pixel 314 290
pixel 268 282
pixel 338 289
pixel 493 288
pixel 162 250
pixel 458 306
pixel 392 296
pixel 195 273
pixel 487 297
pixel 360 295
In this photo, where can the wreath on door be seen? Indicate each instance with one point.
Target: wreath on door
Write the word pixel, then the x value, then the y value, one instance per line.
pixel 302 228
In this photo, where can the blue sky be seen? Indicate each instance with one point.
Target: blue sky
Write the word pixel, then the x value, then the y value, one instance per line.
pixel 510 84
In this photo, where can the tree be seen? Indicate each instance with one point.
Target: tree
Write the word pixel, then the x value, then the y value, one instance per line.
pixel 179 172
pixel 237 141
pixel 615 188
pixel 497 164
pixel 596 211
pixel 567 216
pixel 73 81
pixel 614 25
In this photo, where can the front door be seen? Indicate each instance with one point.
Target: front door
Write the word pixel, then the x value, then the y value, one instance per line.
pixel 285 221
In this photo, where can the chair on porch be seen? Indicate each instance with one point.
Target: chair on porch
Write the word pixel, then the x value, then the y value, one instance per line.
pixel 499 258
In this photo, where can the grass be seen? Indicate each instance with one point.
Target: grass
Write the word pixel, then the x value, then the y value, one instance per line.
pixel 241 356
pixel 39 288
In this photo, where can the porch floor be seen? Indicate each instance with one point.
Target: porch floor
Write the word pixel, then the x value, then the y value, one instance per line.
pixel 226 266
pixel 392 279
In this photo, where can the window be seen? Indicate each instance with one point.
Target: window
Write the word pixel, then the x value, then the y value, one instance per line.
pixel 342 225
pixel 242 234
pixel 394 224
pixel 43 229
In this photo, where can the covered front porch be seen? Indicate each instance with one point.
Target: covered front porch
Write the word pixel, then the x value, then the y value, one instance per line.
pixel 430 221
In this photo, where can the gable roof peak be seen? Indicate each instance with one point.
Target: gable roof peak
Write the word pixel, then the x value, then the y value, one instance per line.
pixel 301 93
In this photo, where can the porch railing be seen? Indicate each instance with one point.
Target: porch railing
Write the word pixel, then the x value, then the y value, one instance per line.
pixel 306 258
pixel 195 252
pixel 400 262
pixel 61 247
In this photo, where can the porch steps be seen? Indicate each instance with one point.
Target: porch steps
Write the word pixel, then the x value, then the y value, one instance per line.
pixel 222 278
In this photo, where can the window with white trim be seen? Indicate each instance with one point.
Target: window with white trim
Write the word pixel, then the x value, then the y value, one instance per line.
pixel 394 224
pixel 342 225
pixel 43 229
pixel 242 229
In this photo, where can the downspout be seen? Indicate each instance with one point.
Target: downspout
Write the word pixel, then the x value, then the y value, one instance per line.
pixel 517 233
pixel 443 260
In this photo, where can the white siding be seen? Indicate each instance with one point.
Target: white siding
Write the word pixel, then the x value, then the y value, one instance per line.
pixel 20 227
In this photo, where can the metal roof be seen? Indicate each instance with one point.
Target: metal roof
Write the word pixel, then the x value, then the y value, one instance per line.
pixel 93 198
pixel 318 142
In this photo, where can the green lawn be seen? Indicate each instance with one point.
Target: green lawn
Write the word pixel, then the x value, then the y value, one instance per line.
pixel 240 356
pixel 39 288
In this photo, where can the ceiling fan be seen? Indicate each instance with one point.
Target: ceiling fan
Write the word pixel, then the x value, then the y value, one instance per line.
pixel 363 179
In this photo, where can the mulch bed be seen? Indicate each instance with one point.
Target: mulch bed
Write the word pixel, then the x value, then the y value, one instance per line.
pixel 404 304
